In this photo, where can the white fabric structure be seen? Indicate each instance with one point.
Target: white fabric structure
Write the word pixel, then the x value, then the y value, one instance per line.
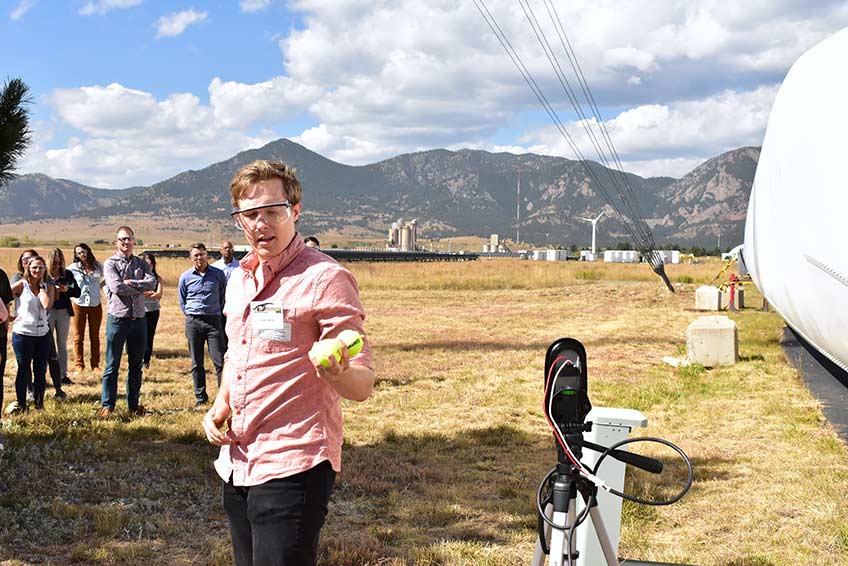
pixel 796 232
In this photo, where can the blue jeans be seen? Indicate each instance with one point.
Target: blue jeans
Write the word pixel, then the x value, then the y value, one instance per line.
pixel 32 353
pixel 277 523
pixel 133 333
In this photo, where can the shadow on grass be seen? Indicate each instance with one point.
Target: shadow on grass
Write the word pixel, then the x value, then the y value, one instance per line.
pixel 404 498
pixel 409 492
pixel 170 353
pixel 499 346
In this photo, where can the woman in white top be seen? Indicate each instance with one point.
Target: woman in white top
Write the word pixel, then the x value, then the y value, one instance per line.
pixel 30 338
pixel 87 307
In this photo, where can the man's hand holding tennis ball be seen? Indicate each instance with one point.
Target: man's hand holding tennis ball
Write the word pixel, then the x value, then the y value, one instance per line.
pixel 331 357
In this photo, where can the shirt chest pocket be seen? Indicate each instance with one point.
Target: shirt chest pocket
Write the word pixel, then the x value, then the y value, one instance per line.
pixel 275 328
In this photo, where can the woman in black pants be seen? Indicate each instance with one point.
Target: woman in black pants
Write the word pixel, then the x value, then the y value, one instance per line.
pixel 151 307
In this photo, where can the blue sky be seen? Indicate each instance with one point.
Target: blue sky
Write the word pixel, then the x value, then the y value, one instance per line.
pixel 131 92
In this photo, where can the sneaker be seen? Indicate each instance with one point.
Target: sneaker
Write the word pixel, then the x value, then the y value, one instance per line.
pixel 30 395
pixel 139 411
pixel 14 409
pixel 67 381
pixel 60 395
pixel 146 365
pixel 104 412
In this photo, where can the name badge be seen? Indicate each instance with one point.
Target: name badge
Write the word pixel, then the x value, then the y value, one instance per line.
pixel 270 320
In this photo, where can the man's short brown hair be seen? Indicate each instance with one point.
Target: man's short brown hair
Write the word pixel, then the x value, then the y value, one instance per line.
pixel 264 170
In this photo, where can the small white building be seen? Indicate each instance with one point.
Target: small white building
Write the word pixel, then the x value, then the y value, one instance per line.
pixel 669 256
pixel 550 255
pixel 556 255
pixel 587 255
pixel 621 256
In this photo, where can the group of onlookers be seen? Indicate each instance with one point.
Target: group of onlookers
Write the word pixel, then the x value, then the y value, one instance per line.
pixel 45 295
pixel 49 295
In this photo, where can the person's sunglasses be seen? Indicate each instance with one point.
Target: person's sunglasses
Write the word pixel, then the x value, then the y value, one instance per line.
pixel 125 239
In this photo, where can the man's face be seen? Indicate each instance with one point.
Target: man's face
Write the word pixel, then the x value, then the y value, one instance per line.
pixel 227 252
pixel 199 259
pixel 268 231
pixel 124 242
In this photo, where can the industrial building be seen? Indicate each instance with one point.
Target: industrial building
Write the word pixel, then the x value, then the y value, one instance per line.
pixel 403 236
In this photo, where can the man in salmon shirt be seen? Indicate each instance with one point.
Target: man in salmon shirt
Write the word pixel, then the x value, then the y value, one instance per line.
pixel 282 446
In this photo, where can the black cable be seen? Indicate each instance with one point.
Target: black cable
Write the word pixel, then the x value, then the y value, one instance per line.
pixel 690 479
pixel 632 221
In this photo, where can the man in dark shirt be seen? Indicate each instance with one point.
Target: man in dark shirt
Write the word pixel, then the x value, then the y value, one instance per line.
pixel 201 291
pixel 6 298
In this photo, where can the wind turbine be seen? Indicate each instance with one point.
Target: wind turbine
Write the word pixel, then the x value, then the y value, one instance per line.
pixel 594 225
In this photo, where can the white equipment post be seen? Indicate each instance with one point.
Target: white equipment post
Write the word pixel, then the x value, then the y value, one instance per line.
pixel 608 427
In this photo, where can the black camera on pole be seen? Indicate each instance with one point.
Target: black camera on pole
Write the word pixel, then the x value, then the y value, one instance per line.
pixel 566 406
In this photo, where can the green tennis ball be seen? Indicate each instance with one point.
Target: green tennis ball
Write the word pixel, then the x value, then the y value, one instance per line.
pixel 353 340
pixel 325 348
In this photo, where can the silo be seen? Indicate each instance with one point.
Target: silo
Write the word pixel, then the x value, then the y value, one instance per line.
pixel 405 235
pixel 413 237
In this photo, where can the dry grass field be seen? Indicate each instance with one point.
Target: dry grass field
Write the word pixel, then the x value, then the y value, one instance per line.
pixel 441 465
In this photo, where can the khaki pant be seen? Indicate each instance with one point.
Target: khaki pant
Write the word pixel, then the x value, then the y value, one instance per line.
pixel 94 317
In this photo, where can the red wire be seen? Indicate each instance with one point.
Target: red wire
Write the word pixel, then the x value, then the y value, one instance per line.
pixel 548 418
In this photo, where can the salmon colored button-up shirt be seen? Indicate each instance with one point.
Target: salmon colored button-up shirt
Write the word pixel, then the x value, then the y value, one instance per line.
pixel 286 419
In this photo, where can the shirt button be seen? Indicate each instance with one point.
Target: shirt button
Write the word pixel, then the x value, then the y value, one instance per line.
pixel 238 412
pixel 243 341
pixel 238 377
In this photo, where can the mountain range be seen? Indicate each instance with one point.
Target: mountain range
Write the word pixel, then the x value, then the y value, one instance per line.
pixel 449 193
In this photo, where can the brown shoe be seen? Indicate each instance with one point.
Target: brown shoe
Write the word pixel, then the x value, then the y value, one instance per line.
pixel 139 411
pixel 104 412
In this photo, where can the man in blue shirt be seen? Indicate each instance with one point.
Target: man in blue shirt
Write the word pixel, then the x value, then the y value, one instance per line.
pixel 201 292
pixel 228 262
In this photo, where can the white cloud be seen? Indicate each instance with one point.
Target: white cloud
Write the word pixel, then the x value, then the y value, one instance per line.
pixel 103 6
pixel 175 23
pixel 254 5
pixel 238 104
pixel 619 57
pixel 131 138
pixel 667 139
pixel 23 7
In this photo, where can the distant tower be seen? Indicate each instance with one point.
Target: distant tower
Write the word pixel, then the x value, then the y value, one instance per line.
pixel 518 208
pixel 594 224
pixel 413 234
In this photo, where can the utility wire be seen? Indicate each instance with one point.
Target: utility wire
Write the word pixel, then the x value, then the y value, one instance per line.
pixel 632 221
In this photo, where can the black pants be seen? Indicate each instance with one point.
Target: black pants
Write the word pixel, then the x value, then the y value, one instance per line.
pixel 152 321
pixel 3 344
pixel 200 330
pixel 277 523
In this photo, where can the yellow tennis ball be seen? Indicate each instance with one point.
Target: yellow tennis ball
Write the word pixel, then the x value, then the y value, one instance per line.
pixel 353 340
pixel 325 348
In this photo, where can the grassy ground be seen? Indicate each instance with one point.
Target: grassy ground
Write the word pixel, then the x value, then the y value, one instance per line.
pixel 442 463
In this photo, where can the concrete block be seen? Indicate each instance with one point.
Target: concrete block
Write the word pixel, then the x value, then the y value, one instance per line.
pixel 708 298
pixel 713 341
